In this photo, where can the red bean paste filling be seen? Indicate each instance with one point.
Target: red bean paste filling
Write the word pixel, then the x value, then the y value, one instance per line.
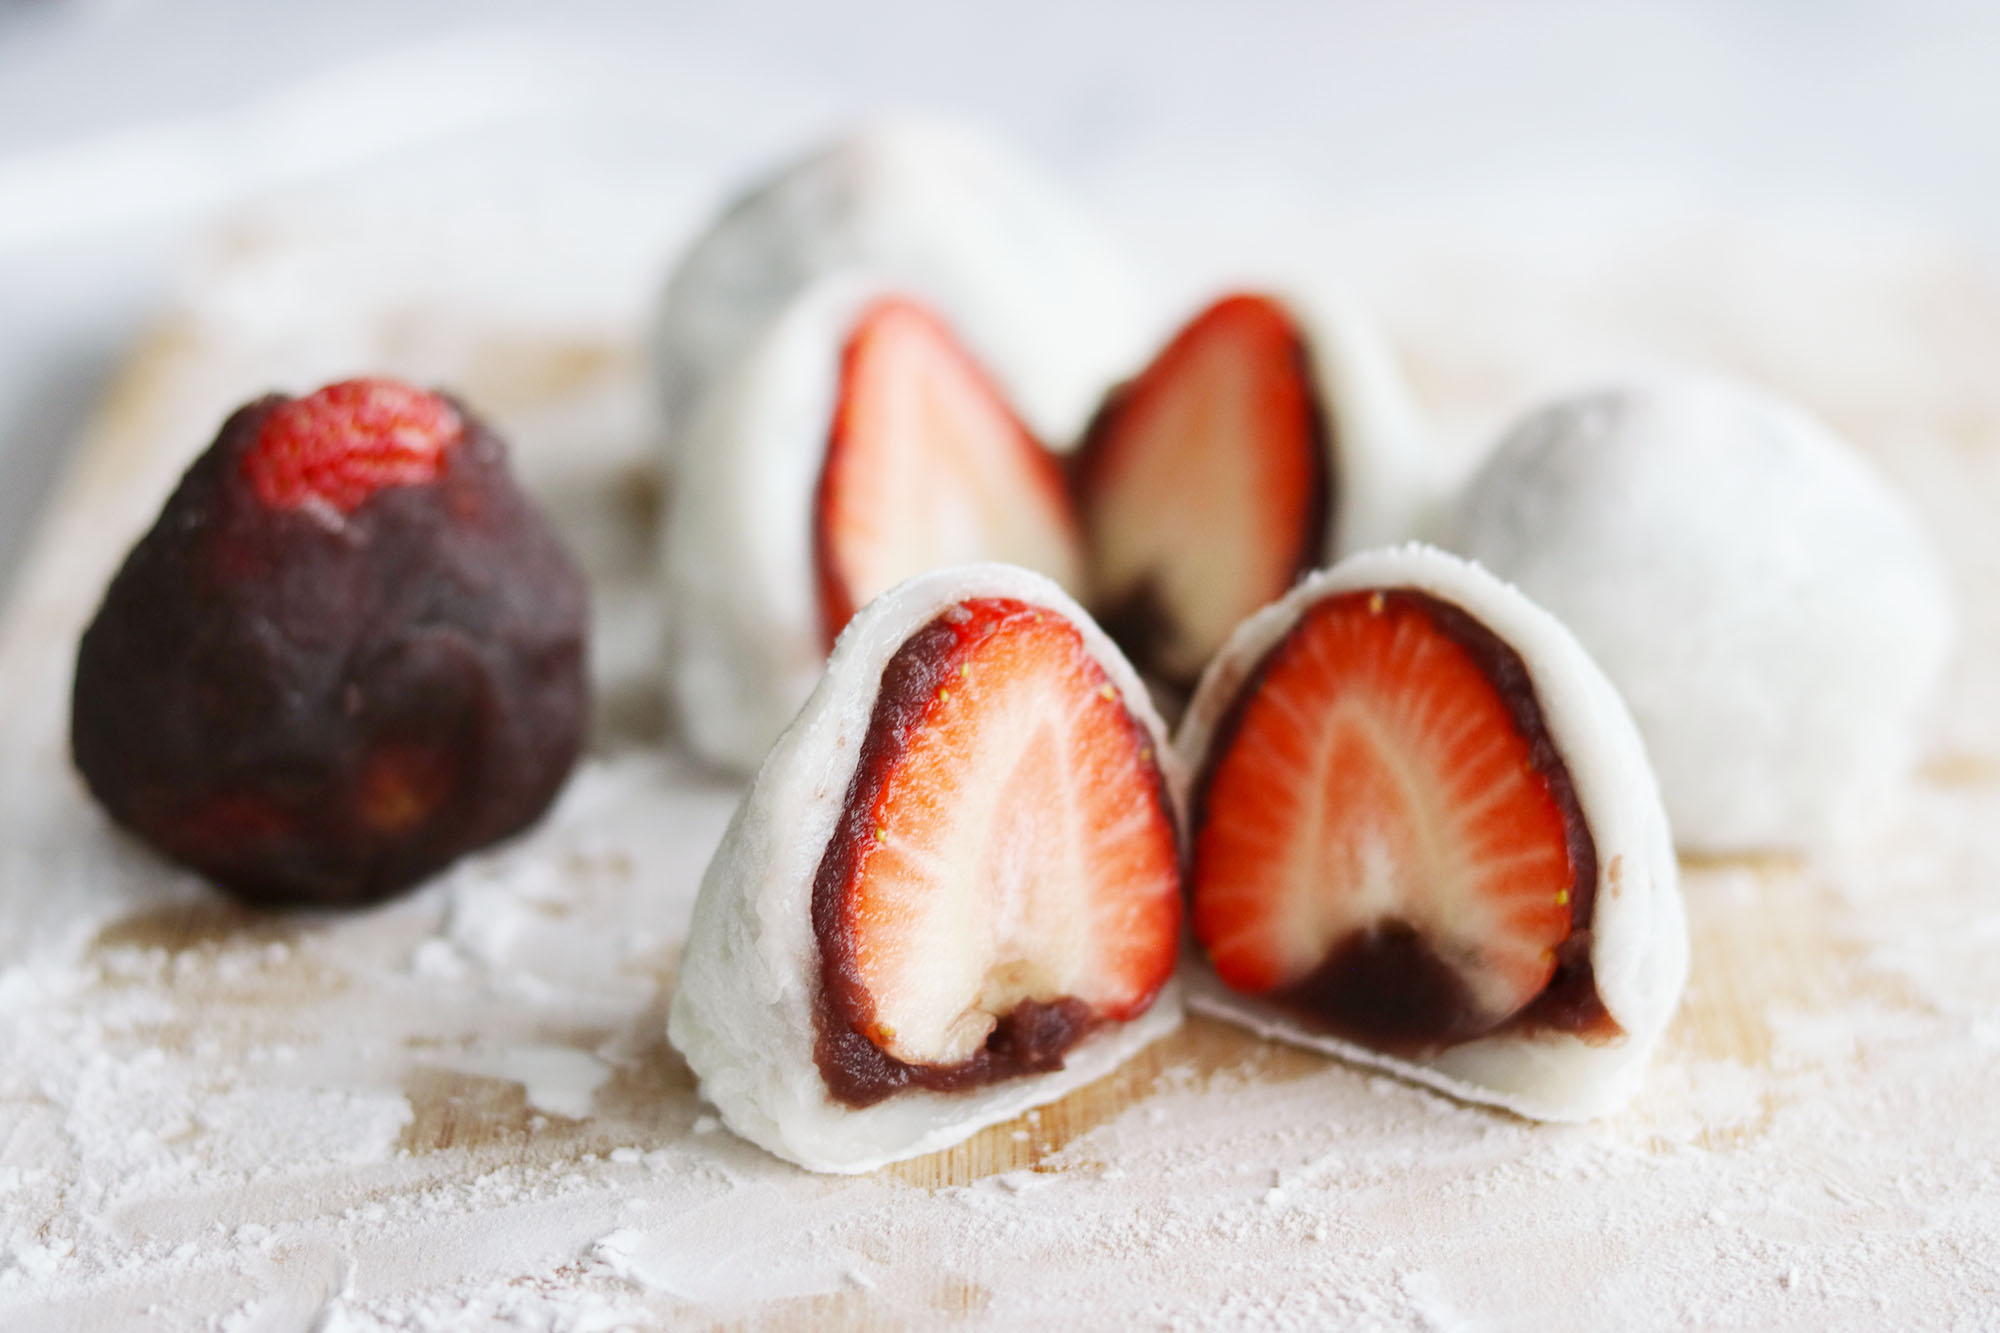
pixel 1139 621
pixel 324 715
pixel 1031 1038
pixel 1385 987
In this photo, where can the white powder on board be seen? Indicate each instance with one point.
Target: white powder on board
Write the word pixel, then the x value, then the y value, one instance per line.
pixel 457 1110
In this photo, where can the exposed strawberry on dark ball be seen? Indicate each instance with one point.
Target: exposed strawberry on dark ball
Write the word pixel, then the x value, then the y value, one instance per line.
pixel 349 651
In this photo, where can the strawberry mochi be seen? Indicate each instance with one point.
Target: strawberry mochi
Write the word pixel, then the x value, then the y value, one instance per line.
pixel 1269 436
pixel 1424 836
pixel 953 890
pixel 953 218
pixel 349 651
pixel 857 444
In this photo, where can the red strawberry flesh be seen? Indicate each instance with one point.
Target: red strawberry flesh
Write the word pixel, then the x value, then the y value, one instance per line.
pixel 1204 486
pixel 1387 841
pixel 928 466
pixel 1004 877
pixel 340 445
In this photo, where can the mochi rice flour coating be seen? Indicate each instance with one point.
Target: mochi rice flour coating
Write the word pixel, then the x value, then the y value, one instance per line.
pixel 1774 615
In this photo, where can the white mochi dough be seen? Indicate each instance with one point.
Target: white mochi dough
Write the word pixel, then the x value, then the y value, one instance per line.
pixel 1387 484
pixel 1042 300
pixel 1639 947
pixel 1775 617
pixel 743 1009
pixel 744 642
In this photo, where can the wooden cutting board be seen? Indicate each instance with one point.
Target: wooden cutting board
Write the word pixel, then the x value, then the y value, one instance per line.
pixel 514 1056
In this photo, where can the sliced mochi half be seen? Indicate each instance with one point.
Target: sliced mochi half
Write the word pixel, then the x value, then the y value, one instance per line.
pixel 1271 435
pixel 956 219
pixel 1424 836
pixel 952 891
pixel 856 445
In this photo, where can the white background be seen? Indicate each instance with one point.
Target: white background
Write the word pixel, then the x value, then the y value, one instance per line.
pixel 129 130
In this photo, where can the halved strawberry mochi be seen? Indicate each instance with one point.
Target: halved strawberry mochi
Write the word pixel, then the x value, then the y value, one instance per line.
pixel 1424 834
pixel 952 891
pixel 1387 838
pixel 1005 875
pixel 856 445
pixel 1205 485
pixel 926 466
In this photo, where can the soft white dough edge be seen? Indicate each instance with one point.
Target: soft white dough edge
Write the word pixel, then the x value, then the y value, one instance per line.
pixel 743 1009
pixel 1639 951
pixel 1388 485
pixel 1043 300
pixel 743 644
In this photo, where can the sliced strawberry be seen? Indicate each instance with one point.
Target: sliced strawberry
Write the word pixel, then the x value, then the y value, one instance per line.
pixel 1387 838
pixel 928 466
pixel 1203 486
pixel 1004 877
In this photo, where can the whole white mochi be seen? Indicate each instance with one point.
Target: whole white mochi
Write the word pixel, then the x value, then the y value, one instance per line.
pixel 1639 936
pixel 1043 301
pixel 743 1012
pixel 1775 616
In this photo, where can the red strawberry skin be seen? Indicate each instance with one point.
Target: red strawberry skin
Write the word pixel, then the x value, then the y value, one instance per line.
pixel 1204 486
pixel 341 444
pixel 934 715
pixel 927 465
pixel 1386 840
pixel 313 708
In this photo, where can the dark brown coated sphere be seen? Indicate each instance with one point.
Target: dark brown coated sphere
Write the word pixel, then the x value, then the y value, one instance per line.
pixel 318 707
